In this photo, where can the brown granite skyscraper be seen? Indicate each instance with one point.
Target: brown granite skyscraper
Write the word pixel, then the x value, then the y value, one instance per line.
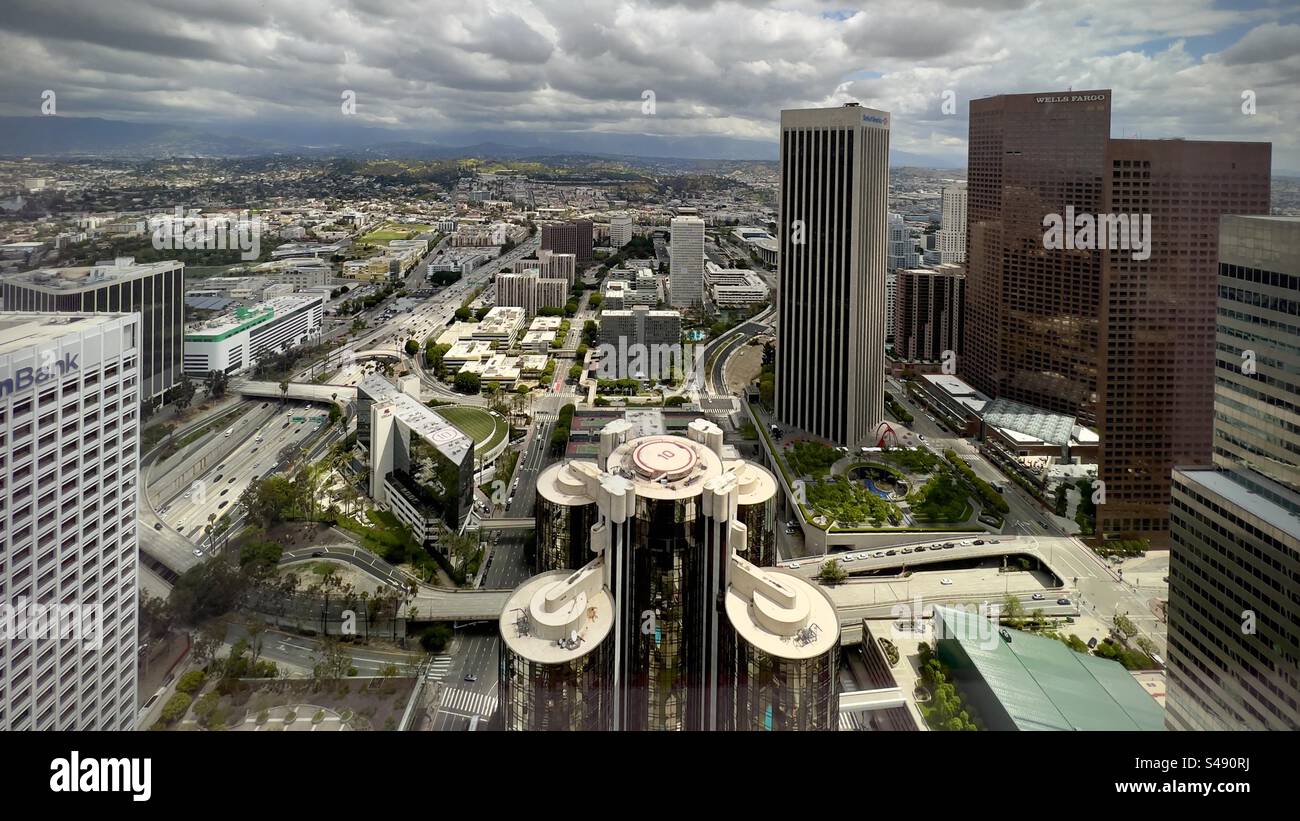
pixel 1156 376
pixel 1121 338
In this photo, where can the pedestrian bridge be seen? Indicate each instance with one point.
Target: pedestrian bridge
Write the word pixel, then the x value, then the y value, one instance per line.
pixel 506 524
pixel 302 391
pixel 376 353
pixel 862 701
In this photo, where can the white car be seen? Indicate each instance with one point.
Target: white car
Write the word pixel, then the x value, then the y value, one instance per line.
pixel 847 559
pixel 198 552
pixel 967 543
pixel 945 581
pixel 793 565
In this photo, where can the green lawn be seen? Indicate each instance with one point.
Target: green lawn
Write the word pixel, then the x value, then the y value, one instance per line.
pixel 486 430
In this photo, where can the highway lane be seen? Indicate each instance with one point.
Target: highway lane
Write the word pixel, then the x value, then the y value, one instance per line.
pixel 303 652
pixel 215 492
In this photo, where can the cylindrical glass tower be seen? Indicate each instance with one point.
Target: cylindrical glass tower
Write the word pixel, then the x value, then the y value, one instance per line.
pixel 780 651
pixel 564 516
pixel 666 520
pixel 557 656
pixel 756 508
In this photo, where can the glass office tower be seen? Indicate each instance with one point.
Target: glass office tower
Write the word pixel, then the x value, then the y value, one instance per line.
pixel 671 518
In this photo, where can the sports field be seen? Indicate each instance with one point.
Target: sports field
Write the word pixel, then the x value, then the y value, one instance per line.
pixel 391 231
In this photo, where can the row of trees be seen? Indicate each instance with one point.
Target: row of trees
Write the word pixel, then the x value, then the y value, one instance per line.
pixel 214 386
pixel 560 436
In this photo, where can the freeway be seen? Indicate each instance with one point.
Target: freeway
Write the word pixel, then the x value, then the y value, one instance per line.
pixel 302 652
pixel 212 494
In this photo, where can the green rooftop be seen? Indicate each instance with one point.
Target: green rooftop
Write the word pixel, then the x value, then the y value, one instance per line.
pixel 1041 683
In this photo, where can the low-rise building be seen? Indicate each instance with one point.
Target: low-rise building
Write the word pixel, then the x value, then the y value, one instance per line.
pixel 500 326
pixel 734 287
pixel 537 341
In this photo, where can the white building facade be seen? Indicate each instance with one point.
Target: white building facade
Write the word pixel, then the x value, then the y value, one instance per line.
pixel 231 343
pixel 70 392
pixel 686 262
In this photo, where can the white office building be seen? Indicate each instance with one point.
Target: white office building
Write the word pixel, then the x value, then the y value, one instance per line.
pixel 531 291
pixel 686 262
pixel 952 230
pixel 232 342
pixel 70 392
pixel 902 248
pixel 620 230
pixel 551 265
pixel 734 287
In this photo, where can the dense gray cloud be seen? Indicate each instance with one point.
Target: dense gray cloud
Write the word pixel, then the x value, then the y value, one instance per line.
pixel 717 69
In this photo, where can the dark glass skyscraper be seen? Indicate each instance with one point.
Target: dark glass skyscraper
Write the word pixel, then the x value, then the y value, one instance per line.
pixel 155 290
pixel 1032 315
pixel 1156 376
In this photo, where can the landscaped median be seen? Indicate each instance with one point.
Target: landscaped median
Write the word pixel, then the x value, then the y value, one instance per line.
pixel 991 499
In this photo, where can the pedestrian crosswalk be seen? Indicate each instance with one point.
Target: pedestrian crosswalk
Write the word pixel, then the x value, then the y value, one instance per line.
pixel 439 668
pixel 466 701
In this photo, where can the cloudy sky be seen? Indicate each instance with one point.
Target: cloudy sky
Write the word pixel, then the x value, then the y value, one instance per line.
pixel 437 70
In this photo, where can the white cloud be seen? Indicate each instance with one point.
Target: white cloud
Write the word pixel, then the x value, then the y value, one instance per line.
pixel 717 68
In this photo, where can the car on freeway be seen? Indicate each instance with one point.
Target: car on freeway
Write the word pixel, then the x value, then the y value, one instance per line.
pixel 793 565
pixel 945 581
pixel 906 550
pixel 948 545
pixel 1062 600
pixel 233 479
pixel 316 554
pixel 1037 597
pixel 966 543
pixel 891 552
pixel 848 558
pixel 198 552
pixel 979 542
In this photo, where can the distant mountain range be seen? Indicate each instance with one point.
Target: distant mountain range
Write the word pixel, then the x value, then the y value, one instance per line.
pixel 96 137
